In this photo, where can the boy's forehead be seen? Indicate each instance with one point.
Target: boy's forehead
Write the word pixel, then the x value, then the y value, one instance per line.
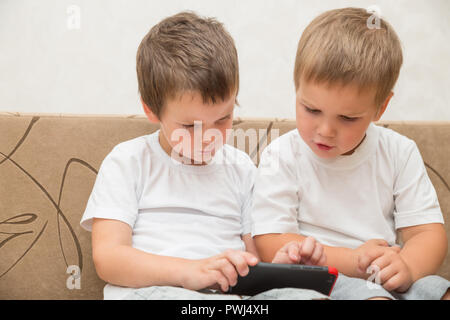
pixel 344 96
pixel 190 104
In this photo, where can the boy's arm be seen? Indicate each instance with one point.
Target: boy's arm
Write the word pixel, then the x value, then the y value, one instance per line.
pixel 424 249
pixel 117 262
pixel 340 258
pixel 250 244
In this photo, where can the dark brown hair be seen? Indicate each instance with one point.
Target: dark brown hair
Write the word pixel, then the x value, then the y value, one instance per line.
pixel 185 53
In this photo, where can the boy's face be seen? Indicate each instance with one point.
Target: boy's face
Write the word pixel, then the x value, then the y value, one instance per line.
pixel 332 120
pixel 192 131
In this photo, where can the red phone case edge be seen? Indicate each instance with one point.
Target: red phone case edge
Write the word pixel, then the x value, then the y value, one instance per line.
pixel 334 272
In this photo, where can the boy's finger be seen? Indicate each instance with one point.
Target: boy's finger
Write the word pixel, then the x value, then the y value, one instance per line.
pixel 317 254
pixel 381 262
pixel 286 246
pixel 393 283
pixel 294 252
pixel 285 253
pixel 323 260
pixel 238 259
pixel 229 271
pixel 387 273
pixel 381 242
pixel 220 279
pixel 366 259
pixel 307 248
pixel 243 260
pixel 250 258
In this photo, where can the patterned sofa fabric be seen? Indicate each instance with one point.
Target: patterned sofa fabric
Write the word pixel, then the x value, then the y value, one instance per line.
pixel 48 166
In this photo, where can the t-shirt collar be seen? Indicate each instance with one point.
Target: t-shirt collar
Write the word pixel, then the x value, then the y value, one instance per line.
pixel 359 155
pixel 156 146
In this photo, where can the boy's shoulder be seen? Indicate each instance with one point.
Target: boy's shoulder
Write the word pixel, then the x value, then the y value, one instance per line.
pixel 132 146
pixel 135 149
pixel 282 152
pixel 289 143
pixel 393 141
pixel 395 150
pixel 135 144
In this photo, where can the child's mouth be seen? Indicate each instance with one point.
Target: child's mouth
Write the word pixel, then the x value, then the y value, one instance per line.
pixel 323 147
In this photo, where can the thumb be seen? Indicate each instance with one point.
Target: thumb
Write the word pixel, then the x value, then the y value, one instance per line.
pixel 251 258
pixel 381 242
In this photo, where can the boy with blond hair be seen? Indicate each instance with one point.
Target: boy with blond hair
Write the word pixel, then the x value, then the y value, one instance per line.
pixel 346 182
pixel 168 218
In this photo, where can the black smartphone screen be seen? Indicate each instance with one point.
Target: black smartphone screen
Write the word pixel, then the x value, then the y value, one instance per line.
pixel 265 276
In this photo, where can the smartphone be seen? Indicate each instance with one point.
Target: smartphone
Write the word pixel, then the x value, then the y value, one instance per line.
pixel 265 276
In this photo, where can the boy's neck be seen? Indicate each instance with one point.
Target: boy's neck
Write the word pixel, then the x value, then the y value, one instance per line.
pixel 353 150
pixel 180 158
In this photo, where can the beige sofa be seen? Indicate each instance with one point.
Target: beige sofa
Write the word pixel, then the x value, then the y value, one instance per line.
pixel 48 165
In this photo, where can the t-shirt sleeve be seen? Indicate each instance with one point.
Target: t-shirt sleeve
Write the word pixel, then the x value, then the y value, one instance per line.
pixel 275 194
pixel 114 192
pixel 415 198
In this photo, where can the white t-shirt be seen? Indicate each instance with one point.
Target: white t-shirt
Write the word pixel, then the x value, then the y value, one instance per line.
pixel 345 201
pixel 176 210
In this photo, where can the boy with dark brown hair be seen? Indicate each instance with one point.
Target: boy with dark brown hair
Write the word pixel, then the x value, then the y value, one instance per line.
pixel 170 218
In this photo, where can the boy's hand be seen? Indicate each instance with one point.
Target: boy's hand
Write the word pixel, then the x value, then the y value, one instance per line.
pixel 218 272
pixel 368 252
pixel 393 272
pixel 307 252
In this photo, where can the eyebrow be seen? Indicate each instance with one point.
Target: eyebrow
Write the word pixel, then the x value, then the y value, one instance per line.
pixel 354 115
pixel 306 102
pixel 228 115
pixel 192 121
pixel 350 115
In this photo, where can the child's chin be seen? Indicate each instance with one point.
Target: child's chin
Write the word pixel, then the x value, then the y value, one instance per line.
pixel 205 157
pixel 326 157
pixel 200 158
pixel 326 154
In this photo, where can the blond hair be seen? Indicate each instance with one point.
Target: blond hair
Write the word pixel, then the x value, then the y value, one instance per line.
pixel 338 47
pixel 184 53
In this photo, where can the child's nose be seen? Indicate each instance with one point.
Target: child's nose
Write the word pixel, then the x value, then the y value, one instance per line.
pixel 326 129
pixel 210 135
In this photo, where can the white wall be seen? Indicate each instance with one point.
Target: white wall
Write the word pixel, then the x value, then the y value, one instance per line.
pixel 45 66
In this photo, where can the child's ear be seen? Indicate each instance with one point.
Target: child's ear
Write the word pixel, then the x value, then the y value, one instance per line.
pixel 149 113
pixel 383 107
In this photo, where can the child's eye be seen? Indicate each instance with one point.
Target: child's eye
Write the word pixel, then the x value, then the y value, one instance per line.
pixel 348 118
pixel 223 119
pixel 187 126
pixel 313 111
